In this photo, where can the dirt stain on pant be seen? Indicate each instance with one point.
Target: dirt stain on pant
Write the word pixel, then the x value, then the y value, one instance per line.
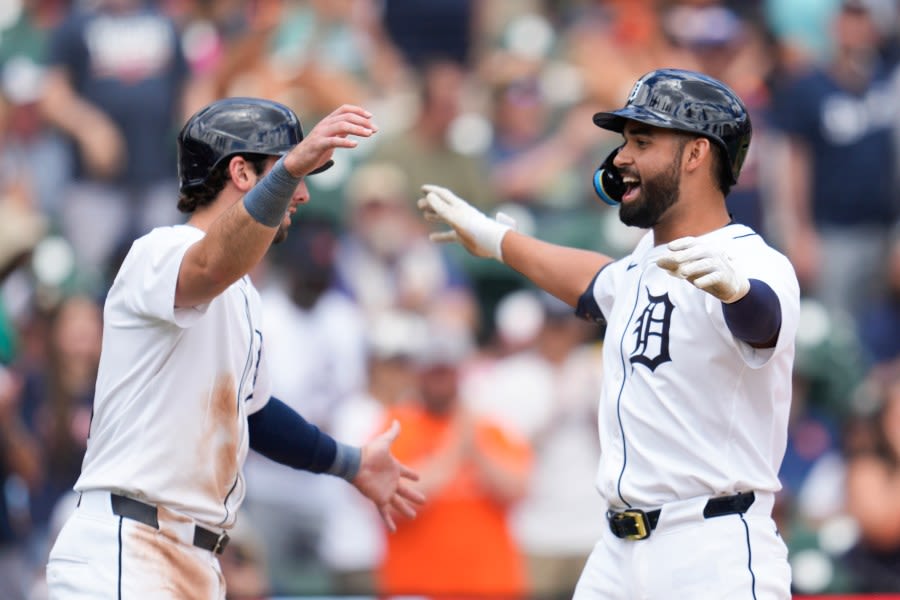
pixel 166 567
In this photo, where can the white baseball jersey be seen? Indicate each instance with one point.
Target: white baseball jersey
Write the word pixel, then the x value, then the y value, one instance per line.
pixel 175 387
pixel 686 409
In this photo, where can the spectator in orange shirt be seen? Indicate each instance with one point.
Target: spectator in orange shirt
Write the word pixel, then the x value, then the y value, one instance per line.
pixel 472 472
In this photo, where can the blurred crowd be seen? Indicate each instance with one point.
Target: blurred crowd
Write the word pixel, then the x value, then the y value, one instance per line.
pixel 495 384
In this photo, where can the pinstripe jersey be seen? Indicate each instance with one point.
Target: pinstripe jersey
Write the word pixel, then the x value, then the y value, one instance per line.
pixel 175 386
pixel 686 409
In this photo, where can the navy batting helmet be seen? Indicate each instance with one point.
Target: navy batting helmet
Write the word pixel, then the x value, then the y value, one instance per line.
pixel 687 101
pixel 235 126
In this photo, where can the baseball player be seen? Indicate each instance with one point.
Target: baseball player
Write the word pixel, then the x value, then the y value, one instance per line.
pixel 182 388
pixel 698 350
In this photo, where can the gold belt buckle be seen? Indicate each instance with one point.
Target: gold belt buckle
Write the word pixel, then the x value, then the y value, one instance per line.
pixel 641 523
pixel 221 542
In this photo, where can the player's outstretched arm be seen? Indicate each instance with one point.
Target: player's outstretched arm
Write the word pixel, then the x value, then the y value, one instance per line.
pixel 564 272
pixel 237 239
pixel 280 433
pixel 385 481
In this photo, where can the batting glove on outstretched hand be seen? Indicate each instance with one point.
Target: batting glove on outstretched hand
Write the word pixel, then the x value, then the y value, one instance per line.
pixel 707 267
pixel 478 233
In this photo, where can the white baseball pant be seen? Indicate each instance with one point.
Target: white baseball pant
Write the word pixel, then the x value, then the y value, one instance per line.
pixel 99 554
pixel 730 557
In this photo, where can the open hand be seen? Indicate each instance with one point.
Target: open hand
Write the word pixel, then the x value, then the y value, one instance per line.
pixel 385 481
pixel 332 132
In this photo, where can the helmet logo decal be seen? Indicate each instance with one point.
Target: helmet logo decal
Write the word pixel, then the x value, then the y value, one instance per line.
pixel 634 90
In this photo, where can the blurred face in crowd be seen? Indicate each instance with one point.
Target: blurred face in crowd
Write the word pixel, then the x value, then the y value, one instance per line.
pixel 309 262
pixel 385 225
pixel 561 334
pixel 521 114
pixel 444 83
pixel 438 386
pixel 77 332
pixel 855 31
pixel 393 378
pixel 76 336
pixel 650 163
pixel 712 33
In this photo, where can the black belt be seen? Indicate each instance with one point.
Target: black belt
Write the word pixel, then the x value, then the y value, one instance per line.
pixel 142 512
pixel 635 524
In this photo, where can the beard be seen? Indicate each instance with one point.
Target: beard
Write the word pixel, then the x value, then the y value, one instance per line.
pixel 658 193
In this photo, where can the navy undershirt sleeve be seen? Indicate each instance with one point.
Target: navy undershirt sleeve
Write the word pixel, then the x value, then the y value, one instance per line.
pixel 755 318
pixel 587 307
pixel 281 434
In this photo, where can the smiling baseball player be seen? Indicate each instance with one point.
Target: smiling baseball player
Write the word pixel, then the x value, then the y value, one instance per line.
pixel 698 350
pixel 182 389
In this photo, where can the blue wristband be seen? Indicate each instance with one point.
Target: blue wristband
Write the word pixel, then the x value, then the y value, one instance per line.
pixel 270 197
pixel 346 462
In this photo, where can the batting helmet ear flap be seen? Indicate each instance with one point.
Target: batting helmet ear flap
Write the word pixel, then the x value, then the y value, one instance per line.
pixel 608 181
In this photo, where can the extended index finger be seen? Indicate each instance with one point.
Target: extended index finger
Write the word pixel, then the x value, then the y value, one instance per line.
pixel 345 123
pixel 352 108
pixel 408 473
pixel 430 187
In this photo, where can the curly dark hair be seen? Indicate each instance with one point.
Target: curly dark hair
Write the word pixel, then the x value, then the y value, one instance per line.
pixel 722 168
pixel 195 197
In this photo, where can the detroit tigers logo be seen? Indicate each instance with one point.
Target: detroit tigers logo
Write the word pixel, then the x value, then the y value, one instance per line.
pixel 651 331
pixel 634 91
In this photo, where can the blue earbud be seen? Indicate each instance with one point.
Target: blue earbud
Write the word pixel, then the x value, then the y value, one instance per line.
pixel 598 187
pixel 608 182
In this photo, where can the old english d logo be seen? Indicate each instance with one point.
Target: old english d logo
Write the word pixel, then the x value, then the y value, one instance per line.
pixel 652 332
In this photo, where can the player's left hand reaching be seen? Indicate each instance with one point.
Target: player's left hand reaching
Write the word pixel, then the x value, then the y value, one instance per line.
pixel 708 267
pixel 330 133
pixel 385 481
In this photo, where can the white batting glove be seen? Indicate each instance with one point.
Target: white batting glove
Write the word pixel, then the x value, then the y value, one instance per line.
pixel 478 233
pixel 707 267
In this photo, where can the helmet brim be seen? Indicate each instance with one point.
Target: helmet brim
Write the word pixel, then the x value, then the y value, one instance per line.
pixel 615 120
pixel 324 167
